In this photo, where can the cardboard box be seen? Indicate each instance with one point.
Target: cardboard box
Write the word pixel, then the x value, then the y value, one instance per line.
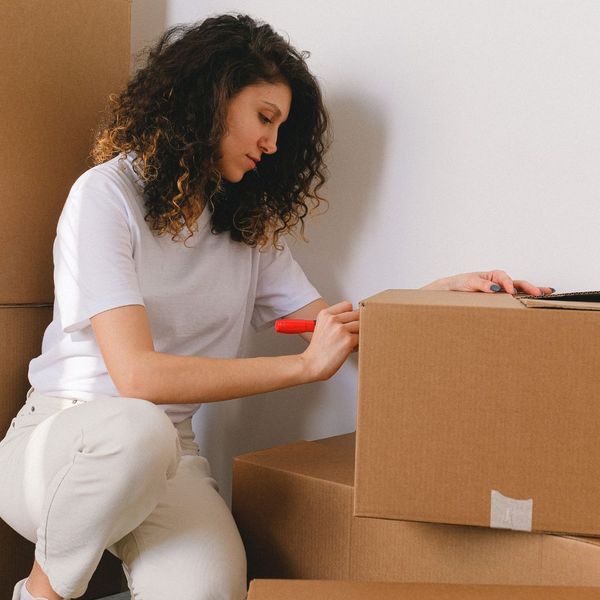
pixel 293 505
pixel 476 410
pixel 276 589
pixel 21 331
pixel 60 60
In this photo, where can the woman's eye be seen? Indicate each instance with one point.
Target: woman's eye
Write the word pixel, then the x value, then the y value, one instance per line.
pixel 264 119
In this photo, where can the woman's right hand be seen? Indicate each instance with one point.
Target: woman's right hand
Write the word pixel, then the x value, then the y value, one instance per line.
pixel 334 338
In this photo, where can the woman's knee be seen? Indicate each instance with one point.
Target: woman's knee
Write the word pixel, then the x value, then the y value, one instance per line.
pixel 140 436
pixel 233 588
pixel 204 561
pixel 226 583
pixel 225 576
pixel 146 422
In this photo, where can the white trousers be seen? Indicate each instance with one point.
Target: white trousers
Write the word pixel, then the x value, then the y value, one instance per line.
pixel 78 477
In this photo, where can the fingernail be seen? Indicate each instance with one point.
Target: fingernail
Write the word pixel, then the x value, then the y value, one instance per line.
pixel 495 287
pixel 552 290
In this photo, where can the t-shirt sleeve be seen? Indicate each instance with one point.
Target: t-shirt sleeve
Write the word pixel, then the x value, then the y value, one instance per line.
pixel 282 286
pixel 94 268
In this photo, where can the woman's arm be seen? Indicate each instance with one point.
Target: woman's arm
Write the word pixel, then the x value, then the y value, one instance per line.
pixel 138 371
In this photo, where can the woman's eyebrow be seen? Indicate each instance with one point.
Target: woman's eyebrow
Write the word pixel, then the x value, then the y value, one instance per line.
pixel 274 107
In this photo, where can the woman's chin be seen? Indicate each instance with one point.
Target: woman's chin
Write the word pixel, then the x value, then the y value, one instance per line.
pixel 233 177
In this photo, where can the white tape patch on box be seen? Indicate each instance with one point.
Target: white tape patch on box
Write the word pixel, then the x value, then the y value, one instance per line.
pixel 508 513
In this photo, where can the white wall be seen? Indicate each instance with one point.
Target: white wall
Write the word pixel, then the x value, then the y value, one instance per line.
pixel 467 137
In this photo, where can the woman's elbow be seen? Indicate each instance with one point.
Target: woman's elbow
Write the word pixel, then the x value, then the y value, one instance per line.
pixel 135 379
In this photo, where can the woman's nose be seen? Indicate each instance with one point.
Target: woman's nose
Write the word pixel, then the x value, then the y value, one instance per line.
pixel 268 144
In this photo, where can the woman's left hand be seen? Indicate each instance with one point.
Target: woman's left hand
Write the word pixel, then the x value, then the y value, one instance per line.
pixel 487 281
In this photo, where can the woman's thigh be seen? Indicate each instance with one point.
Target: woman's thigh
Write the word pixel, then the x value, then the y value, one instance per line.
pixel 17 462
pixel 80 450
pixel 189 547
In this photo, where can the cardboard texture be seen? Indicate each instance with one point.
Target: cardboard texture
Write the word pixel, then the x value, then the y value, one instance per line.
pixel 21 331
pixel 476 410
pixel 293 505
pixel 59 61
pixel 274 589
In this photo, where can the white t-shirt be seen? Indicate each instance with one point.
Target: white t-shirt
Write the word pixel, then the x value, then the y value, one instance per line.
pixel 200 297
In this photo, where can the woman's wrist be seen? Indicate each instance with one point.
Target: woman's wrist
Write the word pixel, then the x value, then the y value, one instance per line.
pixel 307 370
pixel 287 371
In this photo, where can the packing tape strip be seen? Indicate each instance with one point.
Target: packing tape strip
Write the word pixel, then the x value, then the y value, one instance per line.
pixel 508 513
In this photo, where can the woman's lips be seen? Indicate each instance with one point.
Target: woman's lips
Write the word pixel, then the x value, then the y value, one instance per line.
pixel 253 161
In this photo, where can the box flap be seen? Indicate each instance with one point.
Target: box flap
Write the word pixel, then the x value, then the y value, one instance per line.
pixel 570 300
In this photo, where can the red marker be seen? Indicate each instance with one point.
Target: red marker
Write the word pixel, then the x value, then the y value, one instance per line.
pixel 294 326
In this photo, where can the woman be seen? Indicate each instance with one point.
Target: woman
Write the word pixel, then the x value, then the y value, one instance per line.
pixel 165 251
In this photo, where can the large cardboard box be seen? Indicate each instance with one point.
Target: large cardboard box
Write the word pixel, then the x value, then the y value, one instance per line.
pixel 293 505
pixel 476 410
pixel 276 589
pixel 59 60
pixel 21 331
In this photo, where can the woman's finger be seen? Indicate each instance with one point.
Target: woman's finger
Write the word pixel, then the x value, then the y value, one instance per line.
pixel 531 289
pixel 340 307
pixel 502 279
pixel 348 317
pixel 353 327
pixel 523 286
pixel 483 284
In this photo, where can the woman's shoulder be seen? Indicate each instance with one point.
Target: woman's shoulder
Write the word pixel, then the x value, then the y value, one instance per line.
pixel 116 173
pixel 109 188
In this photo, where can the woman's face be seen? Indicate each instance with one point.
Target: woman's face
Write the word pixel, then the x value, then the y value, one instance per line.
pixel 253 118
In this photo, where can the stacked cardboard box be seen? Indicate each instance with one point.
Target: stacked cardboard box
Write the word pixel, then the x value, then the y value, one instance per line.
pixel 460 396
pixel 344 590
pixel 294 508
pixel 476 410
pixel 59 61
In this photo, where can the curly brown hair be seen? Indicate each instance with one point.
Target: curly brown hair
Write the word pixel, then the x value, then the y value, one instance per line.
pixel 172 115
